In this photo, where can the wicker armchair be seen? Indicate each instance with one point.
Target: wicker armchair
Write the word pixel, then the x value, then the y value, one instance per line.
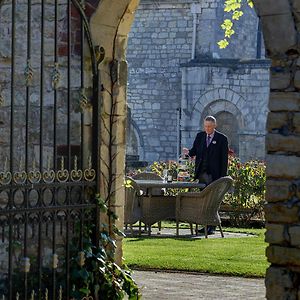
pixel 132 209
pixel 157 208
pixel 202 208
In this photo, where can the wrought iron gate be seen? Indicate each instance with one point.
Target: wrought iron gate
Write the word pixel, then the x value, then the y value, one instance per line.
pixel 48 144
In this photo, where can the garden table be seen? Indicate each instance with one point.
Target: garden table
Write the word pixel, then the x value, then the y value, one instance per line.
pixel 150 184
pixel 156 208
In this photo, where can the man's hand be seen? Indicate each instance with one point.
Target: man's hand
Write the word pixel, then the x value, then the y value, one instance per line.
pixel 185 151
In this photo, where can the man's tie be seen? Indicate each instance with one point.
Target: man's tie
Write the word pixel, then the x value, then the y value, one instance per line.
pixel 207 140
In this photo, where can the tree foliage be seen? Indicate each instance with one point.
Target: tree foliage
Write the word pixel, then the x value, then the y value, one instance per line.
pixel 235 10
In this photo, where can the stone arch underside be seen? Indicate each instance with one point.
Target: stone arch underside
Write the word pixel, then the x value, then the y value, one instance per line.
pixel 219 105
pixel 110 25
pixel 220 93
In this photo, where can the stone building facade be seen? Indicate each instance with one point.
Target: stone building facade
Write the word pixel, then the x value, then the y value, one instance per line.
pixel 178 74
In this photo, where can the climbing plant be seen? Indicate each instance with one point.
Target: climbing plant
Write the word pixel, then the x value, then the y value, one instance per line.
pixel 94 271
pixel 234 8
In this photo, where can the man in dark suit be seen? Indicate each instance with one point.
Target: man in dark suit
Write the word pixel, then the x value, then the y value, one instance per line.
pixel 211 151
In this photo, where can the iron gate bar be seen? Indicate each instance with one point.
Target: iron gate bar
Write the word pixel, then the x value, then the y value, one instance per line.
pixel 27 139
pixel 96 103
pixel 39 259
pixel 13 30
pixel 54 190
pixel 68 143
pixel 82 124
pixel 94 61
pixel 42 84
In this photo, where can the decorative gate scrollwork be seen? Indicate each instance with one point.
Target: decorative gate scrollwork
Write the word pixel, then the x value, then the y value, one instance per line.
pixel 49 108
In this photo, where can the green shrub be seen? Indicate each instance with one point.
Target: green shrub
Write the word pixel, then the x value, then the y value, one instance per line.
pixel 247 197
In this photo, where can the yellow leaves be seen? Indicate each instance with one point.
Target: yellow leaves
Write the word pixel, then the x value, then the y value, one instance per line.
pixel 128 183
pixel 227 24
pixel 227 27
pixel 250 3
pixel 223 44
pixel 235 9
pixel 237 14
pixel 232 5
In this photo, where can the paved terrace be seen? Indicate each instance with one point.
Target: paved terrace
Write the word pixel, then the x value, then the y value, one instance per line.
pixel 186 286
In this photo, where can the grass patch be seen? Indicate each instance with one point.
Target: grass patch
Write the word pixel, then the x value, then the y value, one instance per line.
pixel 232 256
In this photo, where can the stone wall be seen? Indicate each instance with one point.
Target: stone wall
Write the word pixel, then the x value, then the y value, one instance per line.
pixel 159 42
pixel 281 31
pixel 28 77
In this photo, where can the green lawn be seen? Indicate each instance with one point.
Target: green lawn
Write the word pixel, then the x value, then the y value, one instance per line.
pixel 232 256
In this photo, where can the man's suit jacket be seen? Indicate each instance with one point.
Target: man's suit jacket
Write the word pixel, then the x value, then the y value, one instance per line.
pixel 217 154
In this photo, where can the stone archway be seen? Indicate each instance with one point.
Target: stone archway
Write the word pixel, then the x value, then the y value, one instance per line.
pixel 280 24
pixel 110 25
pixel 228 124
pixel 222 94
pixel 230 121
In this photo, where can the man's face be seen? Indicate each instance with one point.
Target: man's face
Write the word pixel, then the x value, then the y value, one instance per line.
pixel 209 127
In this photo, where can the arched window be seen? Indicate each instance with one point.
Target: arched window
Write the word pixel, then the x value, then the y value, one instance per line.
pixel 227 123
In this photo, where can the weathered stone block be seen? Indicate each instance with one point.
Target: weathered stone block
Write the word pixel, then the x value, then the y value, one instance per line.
pixel 294 232
pixel 280 284
pixel 276 120
pixel 267 7
pixel 277 190
pixel 277 142
pixel 274 233
pixel 284 101
pixel 281 213
pixel 282 166
pixel 279 275
pixel 296 122
pixel 280 80
pixel 296 5
pixel 283 256
pixel 297 79
pixel 279 33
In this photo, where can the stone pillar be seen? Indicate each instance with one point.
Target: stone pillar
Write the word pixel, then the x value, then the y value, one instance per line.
pixel 280 23
pixel 110 26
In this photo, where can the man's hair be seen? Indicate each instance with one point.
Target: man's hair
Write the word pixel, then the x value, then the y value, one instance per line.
pixel 211 119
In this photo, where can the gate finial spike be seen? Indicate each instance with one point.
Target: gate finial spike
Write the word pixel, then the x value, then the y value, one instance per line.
pixel 28 73
pixel 55 76
pixel 84 102
pixel 5 164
